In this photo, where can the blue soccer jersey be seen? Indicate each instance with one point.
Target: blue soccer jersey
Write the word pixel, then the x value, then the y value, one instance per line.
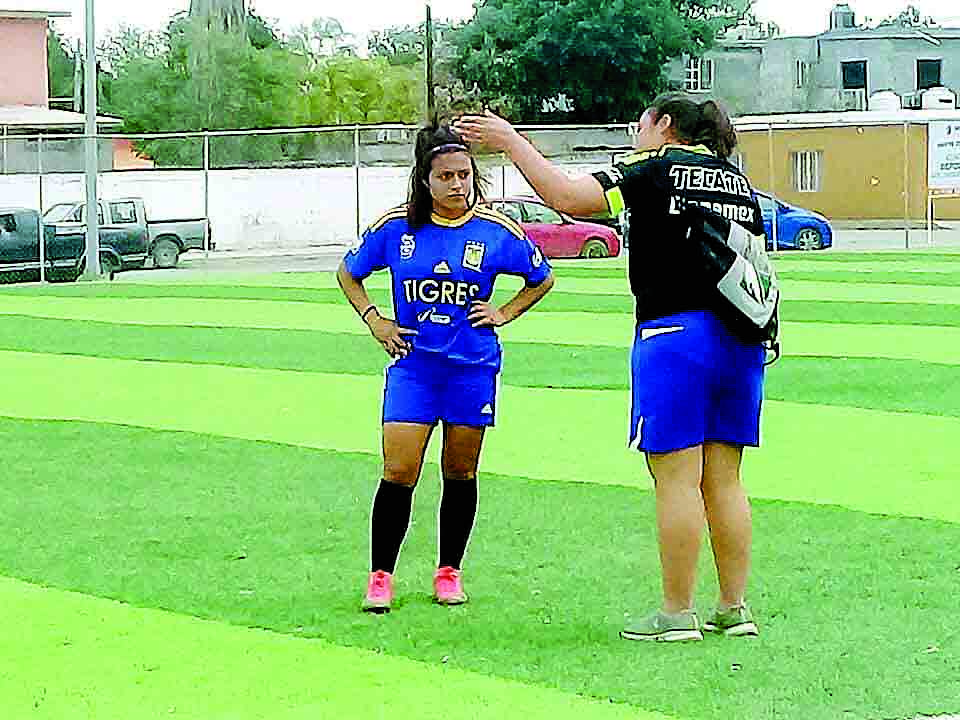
pixel 439 270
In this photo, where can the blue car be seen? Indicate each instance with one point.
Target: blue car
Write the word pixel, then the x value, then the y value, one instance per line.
pixel 797 229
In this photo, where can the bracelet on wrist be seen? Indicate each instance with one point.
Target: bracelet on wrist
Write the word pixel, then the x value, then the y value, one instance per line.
pixel 363 315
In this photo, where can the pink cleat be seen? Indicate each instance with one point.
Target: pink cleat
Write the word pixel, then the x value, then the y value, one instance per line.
pixel 448 586
pixel 379 592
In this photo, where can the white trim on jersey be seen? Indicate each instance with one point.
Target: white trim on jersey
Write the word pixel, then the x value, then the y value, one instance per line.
pixel 637 435
pixel 647 333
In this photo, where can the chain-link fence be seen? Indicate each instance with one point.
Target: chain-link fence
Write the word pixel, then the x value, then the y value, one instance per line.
pixel 291 191
pixel 265 190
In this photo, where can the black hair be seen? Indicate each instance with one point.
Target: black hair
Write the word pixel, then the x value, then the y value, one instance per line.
pixel 697 123
pixel 432 140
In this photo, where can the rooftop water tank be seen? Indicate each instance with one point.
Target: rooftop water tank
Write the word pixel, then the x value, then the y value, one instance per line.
pixel 842 17
pixel 885 100
pixel 938 98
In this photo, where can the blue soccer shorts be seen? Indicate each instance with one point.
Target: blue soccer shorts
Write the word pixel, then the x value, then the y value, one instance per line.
pixel 425 391
pixel 694 382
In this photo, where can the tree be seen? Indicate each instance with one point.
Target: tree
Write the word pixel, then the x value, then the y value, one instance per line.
pixel 402 45
pixel 405 46
pixel 707 19
pixel 603 58
pixel 318 39
pixel 222 15
pixel 161 83
pixel 235 86
pixel 127 44
pixel 910 17
pixel 65 72
pixel 260 33
pixel 60 65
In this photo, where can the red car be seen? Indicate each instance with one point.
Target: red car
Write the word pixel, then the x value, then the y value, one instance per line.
pixel 556 234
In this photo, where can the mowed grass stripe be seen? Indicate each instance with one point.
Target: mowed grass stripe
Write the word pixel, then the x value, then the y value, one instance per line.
pixel 818 291
pixel 932 279
pixel 945 274
pixel 930 344
pixel 896 385
pixel 114 661
pixel 618 285
pixel 893 258
pixel 556 301
pixel 277 538
pixel 916 265
pixel 864 459
pixel 887 256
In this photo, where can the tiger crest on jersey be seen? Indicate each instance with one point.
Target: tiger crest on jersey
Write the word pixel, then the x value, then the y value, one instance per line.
pixel 473 255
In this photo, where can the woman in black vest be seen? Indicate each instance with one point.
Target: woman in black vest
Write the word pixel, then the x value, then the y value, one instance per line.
pixel 697 387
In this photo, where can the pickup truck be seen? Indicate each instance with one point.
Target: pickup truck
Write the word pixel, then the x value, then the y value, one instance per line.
pixel 64 259
pixel 162 241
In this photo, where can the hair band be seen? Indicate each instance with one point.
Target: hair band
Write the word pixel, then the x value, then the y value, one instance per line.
pixel 448 148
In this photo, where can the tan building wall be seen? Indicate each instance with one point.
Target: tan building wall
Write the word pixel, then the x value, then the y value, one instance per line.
pixel 862 174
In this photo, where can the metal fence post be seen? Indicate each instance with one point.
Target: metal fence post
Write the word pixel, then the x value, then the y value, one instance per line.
pixel 92 165
pixel 206 195
pixel 773 190
pixel 906 185
pixel 356 173
pixel 42 240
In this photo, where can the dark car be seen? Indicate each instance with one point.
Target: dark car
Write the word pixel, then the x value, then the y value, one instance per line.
pixel 63 248
pixel 163 240
pixel 556 234
pixel 797 229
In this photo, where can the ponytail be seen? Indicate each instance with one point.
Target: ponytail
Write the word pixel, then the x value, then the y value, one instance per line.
pixel 698 123
pixel 716 129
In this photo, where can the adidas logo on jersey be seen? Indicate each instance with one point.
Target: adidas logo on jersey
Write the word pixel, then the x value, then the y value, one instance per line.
pixel 487 409
pixel 441 268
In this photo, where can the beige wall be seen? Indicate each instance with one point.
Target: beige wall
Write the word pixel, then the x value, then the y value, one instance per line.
pixel 862 175
pixel 23 62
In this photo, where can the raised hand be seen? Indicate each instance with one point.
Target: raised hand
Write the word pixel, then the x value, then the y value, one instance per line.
pixel 488 129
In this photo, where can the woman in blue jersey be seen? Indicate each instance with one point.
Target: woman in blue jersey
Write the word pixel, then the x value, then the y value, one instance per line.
pixel 696 386
pixel 444 251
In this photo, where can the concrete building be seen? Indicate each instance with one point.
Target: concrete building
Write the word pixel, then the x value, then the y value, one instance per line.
pixel 853 165
pixel 23 57
pixel 754 71
pixel 25 113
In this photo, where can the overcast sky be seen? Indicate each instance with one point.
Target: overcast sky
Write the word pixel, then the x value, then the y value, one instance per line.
pixel 806 17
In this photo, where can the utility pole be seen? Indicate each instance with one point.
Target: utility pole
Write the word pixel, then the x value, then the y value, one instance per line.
pixel 92 164
pixel 431 105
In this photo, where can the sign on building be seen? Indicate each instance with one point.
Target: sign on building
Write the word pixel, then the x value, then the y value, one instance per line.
pixel 944 156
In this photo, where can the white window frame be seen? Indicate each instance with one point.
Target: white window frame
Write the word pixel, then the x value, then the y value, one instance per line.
pixel 917 71
pixel 694 79
pixel 808 171
pixel 116 212
pixel 803 71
